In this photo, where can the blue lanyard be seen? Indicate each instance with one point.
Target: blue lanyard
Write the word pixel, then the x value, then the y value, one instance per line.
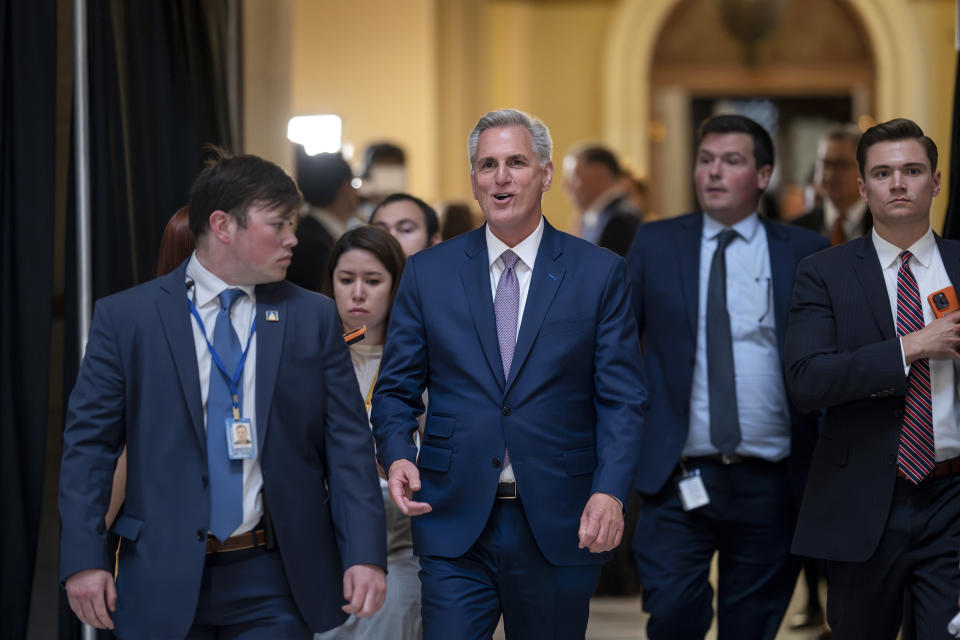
pixel 231 380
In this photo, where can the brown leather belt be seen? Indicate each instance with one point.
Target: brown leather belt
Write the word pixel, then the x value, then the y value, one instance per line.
pixel 949 467
pixel 243 541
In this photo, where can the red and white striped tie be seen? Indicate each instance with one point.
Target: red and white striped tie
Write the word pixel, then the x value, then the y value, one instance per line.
pixel 916 455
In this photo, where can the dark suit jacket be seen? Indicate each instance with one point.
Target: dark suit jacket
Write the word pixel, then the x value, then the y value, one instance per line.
pixel 814 220
pixel 139 385
pixel 664 265
pixel 308 266
pixel 617 235
pixel 570 412
pixel 843 354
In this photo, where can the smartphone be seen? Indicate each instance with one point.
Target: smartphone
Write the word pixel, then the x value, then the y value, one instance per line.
pixel 944 302
pixel 352 337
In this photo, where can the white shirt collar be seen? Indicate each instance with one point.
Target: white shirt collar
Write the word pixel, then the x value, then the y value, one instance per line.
pixel 526 250
pixel 207 286
pixel 746 228
pixel 889 253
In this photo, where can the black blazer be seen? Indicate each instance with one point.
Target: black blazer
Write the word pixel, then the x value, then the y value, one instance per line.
pixel 617 235
pixel 842 354
pixel 813 220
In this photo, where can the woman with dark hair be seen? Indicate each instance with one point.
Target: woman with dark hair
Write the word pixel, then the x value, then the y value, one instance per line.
pixel 362 276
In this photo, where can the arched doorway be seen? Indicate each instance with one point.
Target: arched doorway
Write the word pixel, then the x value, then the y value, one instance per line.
pixel 664 54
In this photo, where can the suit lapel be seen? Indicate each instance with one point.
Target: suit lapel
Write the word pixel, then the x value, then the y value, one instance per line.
pixel 175 318
pixel 545 281
pixel 688 256
pixel 475 275
pixel 269 347
pixel 783 266
pixel 951 261
pixel 870 275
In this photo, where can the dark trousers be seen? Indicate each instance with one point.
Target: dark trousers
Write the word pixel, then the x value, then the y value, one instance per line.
pixel 749 522
pixel 917 554
pixel 245 595
pixel 504 571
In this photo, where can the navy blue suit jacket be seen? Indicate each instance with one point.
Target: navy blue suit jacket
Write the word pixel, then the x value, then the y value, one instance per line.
pixel 139 386
pixel 843 354
pixel 664 264
pixel 570 411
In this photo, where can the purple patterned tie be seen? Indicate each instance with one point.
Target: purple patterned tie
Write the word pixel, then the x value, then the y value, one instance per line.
pixel 506 304
pixel 916 454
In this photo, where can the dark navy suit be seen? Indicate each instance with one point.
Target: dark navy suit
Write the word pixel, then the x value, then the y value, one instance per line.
pixel 843 354
pixel 570 410
pixel 664 264
pixel 139 386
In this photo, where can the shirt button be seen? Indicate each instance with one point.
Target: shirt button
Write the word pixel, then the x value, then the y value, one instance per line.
pixel 506 411
pixel 496 463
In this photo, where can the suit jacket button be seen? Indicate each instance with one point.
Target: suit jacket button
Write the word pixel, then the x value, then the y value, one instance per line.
pixel 506 411
pixel 201 535
pixel 496 463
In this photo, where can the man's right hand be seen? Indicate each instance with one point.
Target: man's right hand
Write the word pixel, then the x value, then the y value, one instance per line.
pixel 938 340
pixel 403 479
pixel 91 593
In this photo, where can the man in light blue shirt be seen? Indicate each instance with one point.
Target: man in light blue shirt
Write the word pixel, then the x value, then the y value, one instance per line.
pixel 724 453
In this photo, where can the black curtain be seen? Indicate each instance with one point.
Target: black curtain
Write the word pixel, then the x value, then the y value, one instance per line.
pixel 951 223
pixel 158 94
pixel 28 45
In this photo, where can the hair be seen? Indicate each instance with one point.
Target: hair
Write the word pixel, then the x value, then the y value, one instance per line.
pixel 733 123
pixel 236 183
pixel 847 132
pixel 382 153
pixel 381 244
pixel 539 134
pixel 322 176
pixel 891 130
pixel 176 243
pixel 430 219
pixel 457 219
pixel 598 154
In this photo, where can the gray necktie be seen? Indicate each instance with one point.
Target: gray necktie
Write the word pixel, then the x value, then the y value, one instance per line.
pixel 724 420
pixel 506 304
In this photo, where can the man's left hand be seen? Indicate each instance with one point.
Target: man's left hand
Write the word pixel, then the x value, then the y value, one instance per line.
pixel 601 525
pixel 364 588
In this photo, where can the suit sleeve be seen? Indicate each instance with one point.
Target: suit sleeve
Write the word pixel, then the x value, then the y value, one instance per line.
pixel 92 441
pixel 356 503
pixel 818 373
pixel 620 392
pixel 397 399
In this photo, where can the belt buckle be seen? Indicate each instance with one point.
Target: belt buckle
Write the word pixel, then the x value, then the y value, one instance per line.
pixel 732 458
pixel 513 497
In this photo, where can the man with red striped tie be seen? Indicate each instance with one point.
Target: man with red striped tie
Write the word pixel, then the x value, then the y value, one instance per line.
pixel 882 503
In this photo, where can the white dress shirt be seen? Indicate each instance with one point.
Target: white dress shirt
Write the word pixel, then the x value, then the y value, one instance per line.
pixel 761 396
pixel 527 252
pixel 205 291
pixel 930 274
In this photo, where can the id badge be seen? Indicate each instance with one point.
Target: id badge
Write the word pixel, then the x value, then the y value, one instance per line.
pixel 241 439
pixel 693 493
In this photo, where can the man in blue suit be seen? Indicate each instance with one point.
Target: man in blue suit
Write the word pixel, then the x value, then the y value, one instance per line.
pixel 259 540
pixel 524 337
pixel 724 454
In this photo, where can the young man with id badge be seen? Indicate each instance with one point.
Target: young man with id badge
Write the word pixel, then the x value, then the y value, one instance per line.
pixel 723 455
pixel 252 501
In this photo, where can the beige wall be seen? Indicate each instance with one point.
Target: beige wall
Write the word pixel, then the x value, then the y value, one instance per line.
pixel 421 72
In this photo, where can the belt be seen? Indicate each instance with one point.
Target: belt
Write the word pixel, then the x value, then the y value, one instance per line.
pixel 734 458
pixel 949 467
pixel 240 542
pixel 507 491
